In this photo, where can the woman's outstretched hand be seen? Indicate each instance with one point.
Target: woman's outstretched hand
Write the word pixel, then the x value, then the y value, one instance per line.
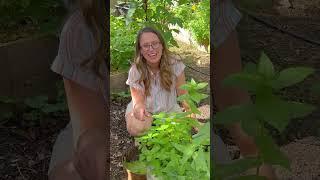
pixel 140 112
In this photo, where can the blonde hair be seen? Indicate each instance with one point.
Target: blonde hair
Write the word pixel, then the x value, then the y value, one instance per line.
pixel 165 63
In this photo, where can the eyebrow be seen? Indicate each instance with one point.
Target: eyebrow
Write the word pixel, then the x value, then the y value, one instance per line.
pixel 151 42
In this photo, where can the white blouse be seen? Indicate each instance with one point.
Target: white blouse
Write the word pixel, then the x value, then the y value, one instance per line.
pixel 160 100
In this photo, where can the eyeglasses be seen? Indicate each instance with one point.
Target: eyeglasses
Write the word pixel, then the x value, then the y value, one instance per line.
pixel 154 45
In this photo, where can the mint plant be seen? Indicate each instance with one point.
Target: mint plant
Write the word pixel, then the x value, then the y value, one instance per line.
pixel 169 150
pixel 263 82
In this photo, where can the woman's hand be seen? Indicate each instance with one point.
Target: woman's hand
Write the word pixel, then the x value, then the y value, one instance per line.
pixel 140 112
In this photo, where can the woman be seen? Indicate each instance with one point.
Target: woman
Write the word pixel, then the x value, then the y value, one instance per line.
pixel 226 61
pixel 79 151
pixel 154 80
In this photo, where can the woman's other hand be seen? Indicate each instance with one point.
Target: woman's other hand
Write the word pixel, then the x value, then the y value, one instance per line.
pixel 140 112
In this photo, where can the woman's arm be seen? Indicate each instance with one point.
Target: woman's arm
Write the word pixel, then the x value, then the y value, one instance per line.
pixel 138 102
pixel 87 105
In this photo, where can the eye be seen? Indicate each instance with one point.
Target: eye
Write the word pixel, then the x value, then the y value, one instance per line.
pixel 145 46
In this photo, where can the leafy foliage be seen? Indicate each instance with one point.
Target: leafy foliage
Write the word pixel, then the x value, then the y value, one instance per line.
pixel 37 107
pixel 160 14
pixel 44 15
pixel 122 43
pixel 195 16
pixel 263 82
pixel 169 151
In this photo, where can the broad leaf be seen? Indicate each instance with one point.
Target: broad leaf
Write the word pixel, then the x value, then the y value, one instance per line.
pixel 265 67
pixel 245 81
pixel 201 85
pixel 235 167
pixel 298 110
pixel 136 167
pixel 272 110
pixel 199 158
pixel 291 76
pixel 235 114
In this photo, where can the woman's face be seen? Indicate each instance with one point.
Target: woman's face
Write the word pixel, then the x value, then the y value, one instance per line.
pixel 151 48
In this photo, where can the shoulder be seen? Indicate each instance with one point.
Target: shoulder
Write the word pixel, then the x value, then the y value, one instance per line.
pixel 176 64
pixel 134 72
pixel 76 40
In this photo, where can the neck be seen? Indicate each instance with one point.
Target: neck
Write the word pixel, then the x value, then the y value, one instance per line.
pixel 154 67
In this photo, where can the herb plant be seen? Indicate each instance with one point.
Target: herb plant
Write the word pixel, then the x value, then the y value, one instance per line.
pixel 169 150
pixel 263 82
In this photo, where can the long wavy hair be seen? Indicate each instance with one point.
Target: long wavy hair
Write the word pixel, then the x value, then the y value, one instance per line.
pixel 94 13
pixel 166 73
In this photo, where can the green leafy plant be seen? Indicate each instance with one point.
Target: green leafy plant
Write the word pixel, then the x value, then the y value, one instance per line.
pixel 155 13
pixel 35 108
pixel 169 150
pixel 263 82
pixel 121 95
pixel 196 18
pixel 122 43
pixel 44 16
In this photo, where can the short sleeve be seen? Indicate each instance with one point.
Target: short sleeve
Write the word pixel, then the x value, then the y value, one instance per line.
pixel 76 45
pixel 134 77
pixel 178 68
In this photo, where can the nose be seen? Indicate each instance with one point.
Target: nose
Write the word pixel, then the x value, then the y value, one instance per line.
pixel 150 47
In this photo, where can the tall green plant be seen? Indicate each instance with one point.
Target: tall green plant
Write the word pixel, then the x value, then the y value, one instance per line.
pixel 168 149
pixel 196 18
pixel 263 82
pixel 122 43
pixel 156 13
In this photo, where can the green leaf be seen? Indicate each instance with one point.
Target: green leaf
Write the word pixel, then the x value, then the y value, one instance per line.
pixel 193 82
pixel 299 110
pixel 201 86
pixel 203 136
pixel 272 110
pixel 187 150
pixel 7 100
pixel 245 81
pixel 36 102
pixel 183 97
pixel 197 97
pixel 265 66
pixel 6 115
pixel 199 158
pixel 137 167
pixel 193 107
pixel 235 114
pixel 270 153
pixel 291 76
pixel 235 167
pixel 250 125
pixel 185 87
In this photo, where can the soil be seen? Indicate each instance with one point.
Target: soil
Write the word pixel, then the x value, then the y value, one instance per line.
pixel 25 147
